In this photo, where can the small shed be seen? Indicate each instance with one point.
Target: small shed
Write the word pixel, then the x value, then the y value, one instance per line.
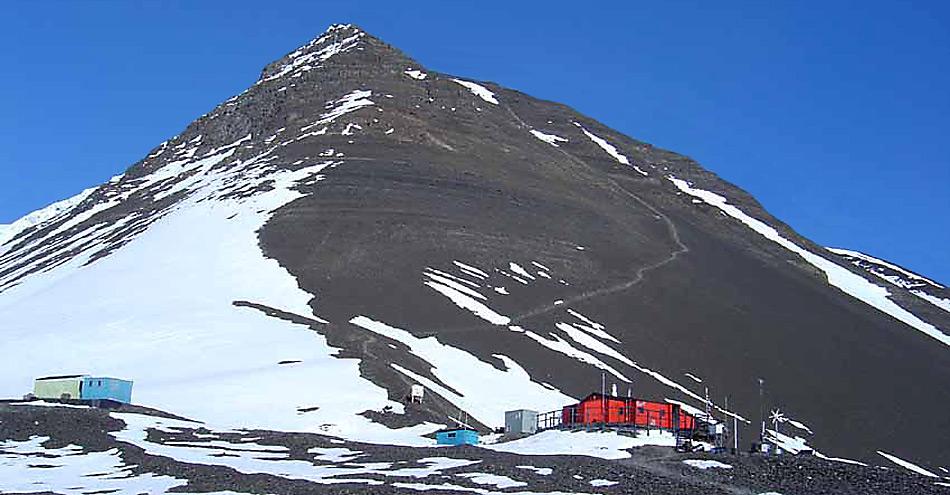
pixel 106 388
pixel 521 422
pixel 458 436
pixel 416 392
pixel 58 387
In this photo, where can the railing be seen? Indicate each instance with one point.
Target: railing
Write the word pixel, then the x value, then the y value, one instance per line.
pixel 550 419
pixel 623 417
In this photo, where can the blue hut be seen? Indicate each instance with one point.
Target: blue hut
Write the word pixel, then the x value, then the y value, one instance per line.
pixel 458 436
pixel 106 388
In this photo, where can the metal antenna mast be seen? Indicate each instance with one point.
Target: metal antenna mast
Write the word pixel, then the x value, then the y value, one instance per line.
pixel 762 409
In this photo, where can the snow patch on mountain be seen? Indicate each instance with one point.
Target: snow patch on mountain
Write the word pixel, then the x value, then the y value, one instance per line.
pixel 480 388
pixel 591 326
pixel 558 344
pixel 854 285
pixel 881 263
pixel 788 443
pixel 466 301
pixel 895 275
pixel 415 74
pixel 551 139
pixel 479 91
pixel 693 377
pixel 610 149
pixel 519 270
pixel 941 303
pixel 477 272
pixel 335 109
pixel 910 466
pixel 584 339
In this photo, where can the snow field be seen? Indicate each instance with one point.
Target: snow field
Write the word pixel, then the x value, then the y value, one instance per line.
pixel 605 445
pixel 29 467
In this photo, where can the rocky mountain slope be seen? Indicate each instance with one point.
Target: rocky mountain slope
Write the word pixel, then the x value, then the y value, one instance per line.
pixel 354 223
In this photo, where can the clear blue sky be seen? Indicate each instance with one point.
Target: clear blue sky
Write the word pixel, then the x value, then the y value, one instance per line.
pixel 836 117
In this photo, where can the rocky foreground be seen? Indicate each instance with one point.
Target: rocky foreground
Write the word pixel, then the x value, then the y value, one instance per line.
pixel 70 449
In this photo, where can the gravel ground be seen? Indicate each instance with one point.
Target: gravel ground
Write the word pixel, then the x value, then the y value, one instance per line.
pixel 650 470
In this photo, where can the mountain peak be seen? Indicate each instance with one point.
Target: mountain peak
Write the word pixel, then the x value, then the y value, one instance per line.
pixel 382 225
pixel 336 39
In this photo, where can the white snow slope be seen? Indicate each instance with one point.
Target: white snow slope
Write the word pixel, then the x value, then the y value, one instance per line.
pixel 893 274
pixel 160 311
pixel 40 216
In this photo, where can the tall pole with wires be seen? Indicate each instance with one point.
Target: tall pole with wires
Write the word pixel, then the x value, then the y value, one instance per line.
pixel 725 415
pixel 735 434
pixel 761 409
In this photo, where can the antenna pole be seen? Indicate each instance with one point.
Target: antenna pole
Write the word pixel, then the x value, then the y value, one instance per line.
pixel 762 409
pixel 725 414
pixel 707 405
pixel 735 432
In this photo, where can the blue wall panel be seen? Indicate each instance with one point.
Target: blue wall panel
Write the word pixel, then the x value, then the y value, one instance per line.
pixel 457 437
pixel 98 388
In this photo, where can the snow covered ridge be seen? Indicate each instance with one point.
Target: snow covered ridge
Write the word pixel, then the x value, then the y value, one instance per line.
pixel 42 215
pixel 893 274
pixel 854 285
pixel 908 280
pixel 611 150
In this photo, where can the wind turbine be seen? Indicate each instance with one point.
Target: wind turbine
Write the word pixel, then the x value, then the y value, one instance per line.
pixel 777 417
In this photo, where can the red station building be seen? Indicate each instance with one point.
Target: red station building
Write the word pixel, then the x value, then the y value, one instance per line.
pixel 598 409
